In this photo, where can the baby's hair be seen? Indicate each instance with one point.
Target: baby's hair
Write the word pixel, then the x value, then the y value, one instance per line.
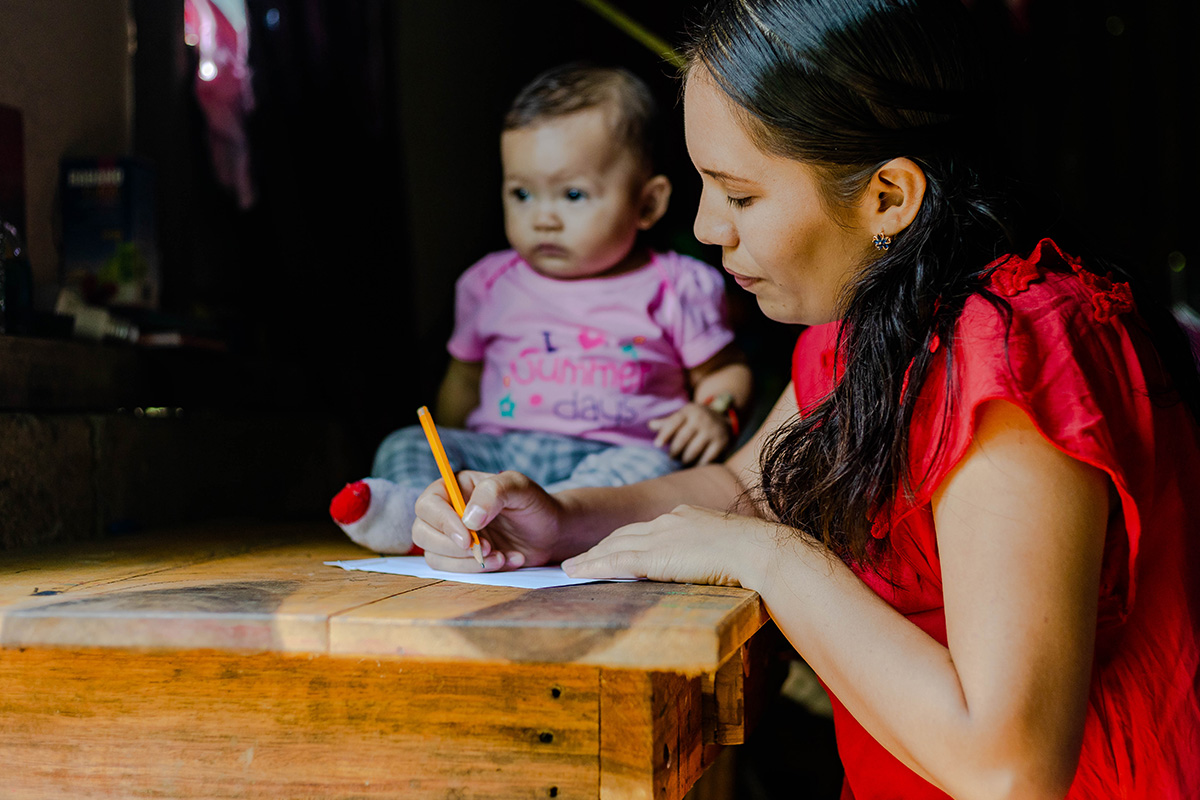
pixel 577 86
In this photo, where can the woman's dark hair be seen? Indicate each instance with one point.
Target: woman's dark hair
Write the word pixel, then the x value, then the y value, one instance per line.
pixel 848 85
pixel 568 88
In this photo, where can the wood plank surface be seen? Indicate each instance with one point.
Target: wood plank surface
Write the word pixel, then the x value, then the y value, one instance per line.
pixel 206 724
pixel 273 595
pixel 64 567
pixel 241 589
pixel 646 625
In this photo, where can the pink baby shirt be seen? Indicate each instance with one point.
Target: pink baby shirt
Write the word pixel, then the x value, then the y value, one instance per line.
pixel 596 357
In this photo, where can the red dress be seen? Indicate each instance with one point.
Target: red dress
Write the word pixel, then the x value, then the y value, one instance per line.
pixel 1077 360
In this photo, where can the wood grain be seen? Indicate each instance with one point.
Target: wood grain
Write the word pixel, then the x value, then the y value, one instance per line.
pixel 98 723
pixel 735 695
pixel 650 747
pixel 234 663
pixel 232 594
pixel 656 626
pixel 249 593
pixel 61 568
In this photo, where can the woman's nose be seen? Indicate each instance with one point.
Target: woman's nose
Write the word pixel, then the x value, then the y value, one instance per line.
pixel 712 226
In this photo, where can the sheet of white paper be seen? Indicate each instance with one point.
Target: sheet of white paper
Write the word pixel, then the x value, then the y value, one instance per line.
pixel 527 578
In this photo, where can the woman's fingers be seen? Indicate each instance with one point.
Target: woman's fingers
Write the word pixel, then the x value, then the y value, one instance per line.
pixel 491 494
pixel 604 564
pixel 617 565
pixel 516 522
pixel 433 540
pixel 614 556
pixel 491 562
pixel 438 527
pixel 689 545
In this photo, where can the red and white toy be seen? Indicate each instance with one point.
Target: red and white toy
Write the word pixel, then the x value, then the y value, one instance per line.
pixel 377 514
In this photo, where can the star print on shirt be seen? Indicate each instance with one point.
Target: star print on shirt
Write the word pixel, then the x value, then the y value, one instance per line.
pixel 507 406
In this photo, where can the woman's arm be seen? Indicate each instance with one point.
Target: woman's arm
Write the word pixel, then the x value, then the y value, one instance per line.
pixel 594 513
pixel 1000 712
pixel 520 525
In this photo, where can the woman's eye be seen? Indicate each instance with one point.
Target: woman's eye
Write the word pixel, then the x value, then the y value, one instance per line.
pixel 739 202
pixel 575 194
pixel 520 194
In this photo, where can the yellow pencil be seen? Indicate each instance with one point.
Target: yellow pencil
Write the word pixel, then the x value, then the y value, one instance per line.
pixel 439 455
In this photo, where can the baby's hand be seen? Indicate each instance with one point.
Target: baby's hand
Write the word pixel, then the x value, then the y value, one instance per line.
pixel 695 434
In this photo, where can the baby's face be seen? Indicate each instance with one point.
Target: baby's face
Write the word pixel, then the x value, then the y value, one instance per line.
pixel 572 195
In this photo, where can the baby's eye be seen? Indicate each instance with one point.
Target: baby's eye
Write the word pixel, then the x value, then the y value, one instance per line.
pixel 519 193
pixel 575 194
pixel 739 202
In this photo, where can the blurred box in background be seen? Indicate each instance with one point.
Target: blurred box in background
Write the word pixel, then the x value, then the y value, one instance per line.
pixel 12 167
pixel 109 241
pixel 16 282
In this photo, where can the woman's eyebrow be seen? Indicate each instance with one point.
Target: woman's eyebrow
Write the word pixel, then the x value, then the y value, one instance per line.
pixel 724 177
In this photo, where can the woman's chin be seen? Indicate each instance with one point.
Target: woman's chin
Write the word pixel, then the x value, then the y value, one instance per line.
pixel 788 315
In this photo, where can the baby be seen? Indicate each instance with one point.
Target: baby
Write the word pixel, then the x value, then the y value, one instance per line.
pixel 579 357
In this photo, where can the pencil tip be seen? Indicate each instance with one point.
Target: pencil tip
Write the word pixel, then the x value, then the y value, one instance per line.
pixel 478 551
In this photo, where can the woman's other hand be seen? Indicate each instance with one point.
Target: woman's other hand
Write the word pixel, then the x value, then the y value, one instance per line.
pixel 688 545
pixel 517 521
pixel 695 434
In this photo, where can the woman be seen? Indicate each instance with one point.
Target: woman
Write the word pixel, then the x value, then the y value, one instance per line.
pixel 973 512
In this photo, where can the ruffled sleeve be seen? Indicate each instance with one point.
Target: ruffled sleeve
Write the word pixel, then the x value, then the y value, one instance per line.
pixel 1069 353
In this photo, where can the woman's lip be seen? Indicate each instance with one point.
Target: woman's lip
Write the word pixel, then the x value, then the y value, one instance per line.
pixel 743 281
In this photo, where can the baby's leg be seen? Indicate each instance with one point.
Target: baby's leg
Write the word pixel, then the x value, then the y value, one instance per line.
pixel 404 458
pixel 618 466
pixel 547 458
pixel 378 512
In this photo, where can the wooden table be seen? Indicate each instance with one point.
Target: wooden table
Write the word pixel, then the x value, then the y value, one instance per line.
pixel 229 661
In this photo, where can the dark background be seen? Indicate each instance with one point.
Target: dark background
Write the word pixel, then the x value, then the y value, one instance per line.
pixel 374 148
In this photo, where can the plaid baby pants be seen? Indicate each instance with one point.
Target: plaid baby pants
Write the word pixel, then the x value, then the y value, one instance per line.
pixel 556 462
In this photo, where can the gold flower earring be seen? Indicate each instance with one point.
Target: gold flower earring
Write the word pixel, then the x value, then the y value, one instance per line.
pixel 882 241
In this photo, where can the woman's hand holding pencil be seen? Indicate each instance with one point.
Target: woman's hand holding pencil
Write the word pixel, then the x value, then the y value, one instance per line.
pixel 520 522
pixel 439 455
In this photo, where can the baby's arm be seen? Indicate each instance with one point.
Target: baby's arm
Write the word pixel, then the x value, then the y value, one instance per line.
pixel 459 393
pixel 700 431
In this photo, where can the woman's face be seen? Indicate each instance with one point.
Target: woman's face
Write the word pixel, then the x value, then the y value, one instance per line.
pixel 777 239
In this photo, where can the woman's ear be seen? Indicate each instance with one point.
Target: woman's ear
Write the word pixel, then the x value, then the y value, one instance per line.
pixel 894 196
pixel 656 193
